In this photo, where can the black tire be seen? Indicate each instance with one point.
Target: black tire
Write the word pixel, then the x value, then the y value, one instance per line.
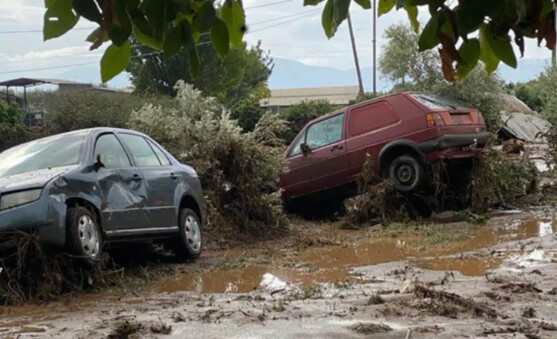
pixel 184 247
pixel 81 225
pixel 407 174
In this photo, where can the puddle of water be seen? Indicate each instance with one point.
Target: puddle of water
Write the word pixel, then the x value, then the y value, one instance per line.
pixel 332 263
pixel 472 266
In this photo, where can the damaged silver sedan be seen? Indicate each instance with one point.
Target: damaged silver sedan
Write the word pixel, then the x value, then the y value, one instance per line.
pixel 84 189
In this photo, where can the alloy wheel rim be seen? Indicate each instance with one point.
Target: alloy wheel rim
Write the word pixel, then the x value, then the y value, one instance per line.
pixel 89 236
pixel 193 233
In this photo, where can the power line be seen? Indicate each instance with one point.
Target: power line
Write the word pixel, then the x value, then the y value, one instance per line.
pixel 279 18
pixel 269 4
pixel 40 30
pixel 285 22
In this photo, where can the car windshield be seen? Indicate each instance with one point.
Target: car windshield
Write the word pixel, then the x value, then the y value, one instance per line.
pixel 438 102
pixel 56 151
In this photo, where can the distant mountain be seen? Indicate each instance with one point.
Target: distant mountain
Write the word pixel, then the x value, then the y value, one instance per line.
pixel 294 74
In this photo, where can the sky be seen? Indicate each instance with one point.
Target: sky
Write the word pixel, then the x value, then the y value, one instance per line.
pixel 285 27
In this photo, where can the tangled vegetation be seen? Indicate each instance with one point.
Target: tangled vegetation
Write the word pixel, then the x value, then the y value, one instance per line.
pixel 377 198
pixel 233 166
pixel 499 179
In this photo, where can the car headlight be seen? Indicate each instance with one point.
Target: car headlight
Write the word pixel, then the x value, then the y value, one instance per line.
pixel 11 200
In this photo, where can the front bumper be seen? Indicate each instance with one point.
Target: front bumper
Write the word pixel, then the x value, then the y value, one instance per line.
pixel 446 142
pixel 46 215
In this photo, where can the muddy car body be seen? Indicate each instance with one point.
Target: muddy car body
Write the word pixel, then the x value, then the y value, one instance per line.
pixel 113 184
pixel 403 133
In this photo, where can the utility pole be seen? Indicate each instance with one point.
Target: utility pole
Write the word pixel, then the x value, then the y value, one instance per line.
pixel 361 95
pixel 554 52
pixel 374 47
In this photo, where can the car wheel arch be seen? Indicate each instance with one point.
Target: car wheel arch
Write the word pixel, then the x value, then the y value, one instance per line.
pixel 188 201
pixel 73 202
pixel 396 148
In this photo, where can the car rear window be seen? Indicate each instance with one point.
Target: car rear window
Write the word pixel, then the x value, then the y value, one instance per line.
pixel 434 101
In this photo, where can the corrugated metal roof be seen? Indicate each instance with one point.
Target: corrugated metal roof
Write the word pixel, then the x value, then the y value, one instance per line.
pixel 38 81
pixel 341 95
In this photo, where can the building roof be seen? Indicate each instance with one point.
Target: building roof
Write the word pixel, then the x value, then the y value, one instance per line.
pixel 521 122
pixel 290 96
pixel 38 81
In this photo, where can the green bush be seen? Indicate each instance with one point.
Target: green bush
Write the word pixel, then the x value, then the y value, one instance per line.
pixel 300 114
pixel 232 165
pixel 12 135
pixel 10 113
pixel 87 109
pixel 247 112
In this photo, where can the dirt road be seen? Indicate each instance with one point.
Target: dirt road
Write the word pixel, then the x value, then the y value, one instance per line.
pixel 497 280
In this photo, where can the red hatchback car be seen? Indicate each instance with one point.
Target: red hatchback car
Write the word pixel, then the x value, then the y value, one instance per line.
pixel 403 133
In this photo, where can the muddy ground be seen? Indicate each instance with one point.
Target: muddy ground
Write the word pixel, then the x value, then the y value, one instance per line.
pixel 495 280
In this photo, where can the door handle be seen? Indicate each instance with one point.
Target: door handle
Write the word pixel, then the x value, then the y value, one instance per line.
pixel 335 147
pixel 137 177
pixel 173 176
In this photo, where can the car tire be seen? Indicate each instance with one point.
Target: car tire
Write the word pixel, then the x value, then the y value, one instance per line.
pixel 84 234
pixel 407 174
pixel 190 243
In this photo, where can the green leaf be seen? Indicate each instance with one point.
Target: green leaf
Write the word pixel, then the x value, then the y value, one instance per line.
pixel 489 58
pixel 232 13
pixel 469 53
pixel 58 18
pixel 327 19
pixel 340 10
pixel 195 64
pixel 312 2
pixel 365 4
pixel 385 6
pixel 412 12
pixel 469 16
pixel 172 42
pixel 87 9
pixel 204 17
pixel 219 37
pixel 114 61
pixel 429 38
pixel 501 47
pixel 139 20
pixel 147 40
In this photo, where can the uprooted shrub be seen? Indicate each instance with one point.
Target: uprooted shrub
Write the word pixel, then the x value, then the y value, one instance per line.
pixel 233 166
pixel 29 272
pixel 500 179
pixel 377 198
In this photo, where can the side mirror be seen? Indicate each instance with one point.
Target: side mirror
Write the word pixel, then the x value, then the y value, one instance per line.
pixel 99 162
pixel 305 149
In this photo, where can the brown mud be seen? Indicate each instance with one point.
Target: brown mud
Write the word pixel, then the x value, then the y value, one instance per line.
pixel 330 279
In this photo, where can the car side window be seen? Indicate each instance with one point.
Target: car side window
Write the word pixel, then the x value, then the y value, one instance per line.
pixel 111 152
pixel 325 132
pixel 162 157
pixel 296 150
pixel 142 153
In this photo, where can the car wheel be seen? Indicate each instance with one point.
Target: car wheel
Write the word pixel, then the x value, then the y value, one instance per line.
pixel 84 234
pixel 190 243
pixel 407 174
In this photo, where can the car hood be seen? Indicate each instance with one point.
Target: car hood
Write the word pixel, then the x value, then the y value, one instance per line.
pixel 35 179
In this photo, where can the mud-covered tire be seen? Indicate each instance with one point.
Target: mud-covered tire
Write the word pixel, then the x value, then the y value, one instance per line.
pixel 407 173
pixel 190 243
pixel 84 237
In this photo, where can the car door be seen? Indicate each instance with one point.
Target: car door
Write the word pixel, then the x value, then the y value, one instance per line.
pixel 124 195
pixel 323 167
pixel 160 178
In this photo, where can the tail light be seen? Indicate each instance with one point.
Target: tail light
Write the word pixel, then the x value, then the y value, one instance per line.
pixel 434 119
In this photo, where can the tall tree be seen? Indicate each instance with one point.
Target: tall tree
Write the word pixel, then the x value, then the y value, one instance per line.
pixel 403 63
pixel 243 73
